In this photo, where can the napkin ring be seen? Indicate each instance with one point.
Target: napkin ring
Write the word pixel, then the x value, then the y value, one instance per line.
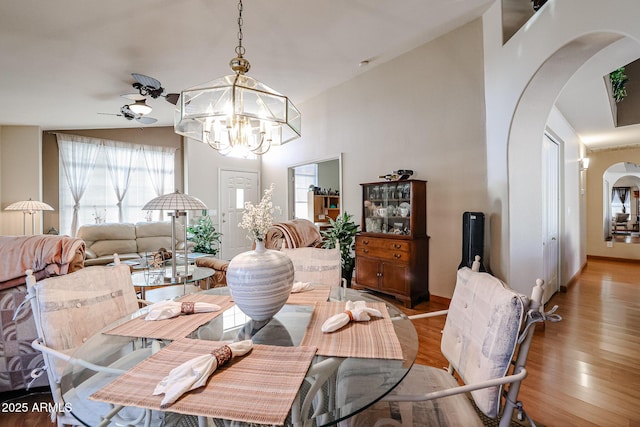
pixel 222 354
pixel 350 314
pixel 188 307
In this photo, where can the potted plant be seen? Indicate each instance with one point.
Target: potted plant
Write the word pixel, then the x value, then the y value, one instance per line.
pixel 205 236
pixel 343 230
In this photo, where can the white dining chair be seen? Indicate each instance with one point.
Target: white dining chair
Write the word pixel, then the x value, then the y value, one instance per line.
pixel 486 340
pixel 70 309
pixel 317 265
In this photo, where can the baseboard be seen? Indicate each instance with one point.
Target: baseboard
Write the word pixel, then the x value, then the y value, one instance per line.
pixel 606 258
pixel 574 279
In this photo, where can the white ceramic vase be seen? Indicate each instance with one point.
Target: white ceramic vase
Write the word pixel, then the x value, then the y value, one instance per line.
pixel 260 281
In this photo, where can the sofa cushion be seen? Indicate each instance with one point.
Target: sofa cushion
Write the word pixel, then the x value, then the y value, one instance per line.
pixel 109 247
pixel 107 259
pixel 151 236
pixel 109 231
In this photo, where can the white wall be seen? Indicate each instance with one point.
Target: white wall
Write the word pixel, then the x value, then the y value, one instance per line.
pixel 202 166
pixel 573 200
pixel 522 81
pixel 20 175
pixel 422 111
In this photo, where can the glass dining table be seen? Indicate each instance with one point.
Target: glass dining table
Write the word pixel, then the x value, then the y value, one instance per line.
pixel 335 388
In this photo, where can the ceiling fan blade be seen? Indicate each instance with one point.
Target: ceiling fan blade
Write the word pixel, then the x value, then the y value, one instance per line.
pixel 146 81
pixel 146 120
pixel 172 98
pixel 133 96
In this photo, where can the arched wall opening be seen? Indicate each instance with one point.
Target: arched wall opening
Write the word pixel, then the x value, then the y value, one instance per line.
pixel 524 151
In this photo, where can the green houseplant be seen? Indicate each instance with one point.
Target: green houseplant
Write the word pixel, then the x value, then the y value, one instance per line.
pixel 343 230
pixel 618 84
pixel 205 236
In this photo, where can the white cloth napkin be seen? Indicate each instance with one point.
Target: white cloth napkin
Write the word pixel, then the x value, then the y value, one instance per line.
pixel 168 309
pixel 300 287
pixel 195 372
pixel 354 311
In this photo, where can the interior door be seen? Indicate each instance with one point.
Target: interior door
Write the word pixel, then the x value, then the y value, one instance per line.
pixel 236 188
pixel 551 215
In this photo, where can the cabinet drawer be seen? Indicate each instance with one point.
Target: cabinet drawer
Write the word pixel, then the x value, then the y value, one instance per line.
pixel 384 244
pixel 385 252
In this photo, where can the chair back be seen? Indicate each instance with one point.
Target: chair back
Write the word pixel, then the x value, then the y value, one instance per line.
pixel 71 308
pixel 316 265
pixel 481 333
pixel 622 217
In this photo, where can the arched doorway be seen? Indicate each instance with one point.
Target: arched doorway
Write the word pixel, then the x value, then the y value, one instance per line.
pixel 621 202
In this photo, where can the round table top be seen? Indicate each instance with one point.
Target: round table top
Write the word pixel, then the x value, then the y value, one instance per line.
pixel 349 391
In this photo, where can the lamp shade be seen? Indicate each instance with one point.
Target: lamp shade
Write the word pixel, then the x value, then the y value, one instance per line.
pixel 29 206
pixel 176 201
pixel 140 107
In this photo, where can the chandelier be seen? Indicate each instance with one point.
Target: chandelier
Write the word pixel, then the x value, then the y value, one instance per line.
pixel 236 113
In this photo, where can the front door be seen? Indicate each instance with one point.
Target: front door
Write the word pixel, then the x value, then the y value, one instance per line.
pixel 236 188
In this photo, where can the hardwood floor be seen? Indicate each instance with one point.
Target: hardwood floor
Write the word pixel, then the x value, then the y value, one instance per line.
pixel 583 370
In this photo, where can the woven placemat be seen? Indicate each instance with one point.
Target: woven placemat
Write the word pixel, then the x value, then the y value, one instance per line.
pixel 257 388
pixel 315 294
pixel 375 338
pixel 176 327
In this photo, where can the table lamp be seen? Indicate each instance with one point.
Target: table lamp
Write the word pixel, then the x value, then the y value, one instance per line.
pixel 177 204
pixel 30 207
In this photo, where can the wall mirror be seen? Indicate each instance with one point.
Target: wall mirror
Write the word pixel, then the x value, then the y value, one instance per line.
pixel 621 203
pixel 326 176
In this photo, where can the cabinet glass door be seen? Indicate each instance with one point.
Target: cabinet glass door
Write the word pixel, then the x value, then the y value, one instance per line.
pixel 387 208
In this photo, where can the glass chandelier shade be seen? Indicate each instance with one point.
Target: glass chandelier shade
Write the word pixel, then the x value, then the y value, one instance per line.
pixel 237 112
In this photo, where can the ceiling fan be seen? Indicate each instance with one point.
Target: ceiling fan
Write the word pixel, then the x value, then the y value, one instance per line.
pixel 127 113
pixel 148 86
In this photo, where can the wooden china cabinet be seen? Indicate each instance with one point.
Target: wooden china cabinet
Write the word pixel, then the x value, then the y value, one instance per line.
pixel 392 251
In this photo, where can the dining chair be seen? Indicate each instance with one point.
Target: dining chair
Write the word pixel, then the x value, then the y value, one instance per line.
pixel 68 310
pixel 317 265
pixel 486 339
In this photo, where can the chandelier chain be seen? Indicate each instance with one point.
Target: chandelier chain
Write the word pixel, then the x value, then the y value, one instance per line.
pixel 240 49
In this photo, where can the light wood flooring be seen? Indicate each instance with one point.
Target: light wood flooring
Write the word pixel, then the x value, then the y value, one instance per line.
pixel 584 371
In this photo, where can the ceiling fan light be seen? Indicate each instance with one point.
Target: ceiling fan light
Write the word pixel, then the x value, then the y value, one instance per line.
pixel 140 107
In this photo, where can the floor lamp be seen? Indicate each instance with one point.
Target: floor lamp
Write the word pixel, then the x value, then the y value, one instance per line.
pixel 177 204
pixel 30 207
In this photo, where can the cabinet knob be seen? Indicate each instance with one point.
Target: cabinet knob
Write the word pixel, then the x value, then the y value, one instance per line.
pixel 365 242
pixel 397 256
pixel 379 274
pixel 397 245
pixel 365 250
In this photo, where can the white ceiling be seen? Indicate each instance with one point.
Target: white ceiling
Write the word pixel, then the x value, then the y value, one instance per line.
pixel 65 61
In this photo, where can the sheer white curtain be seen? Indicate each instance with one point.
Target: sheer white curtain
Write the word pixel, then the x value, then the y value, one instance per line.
pixel 160 163
pixel 77 156
pixel 120 158
pixel 109 181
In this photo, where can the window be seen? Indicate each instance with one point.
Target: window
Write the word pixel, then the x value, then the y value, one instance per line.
pixel 99 200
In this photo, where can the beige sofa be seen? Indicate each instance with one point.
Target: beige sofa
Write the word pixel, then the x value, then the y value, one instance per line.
pixel 129 241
